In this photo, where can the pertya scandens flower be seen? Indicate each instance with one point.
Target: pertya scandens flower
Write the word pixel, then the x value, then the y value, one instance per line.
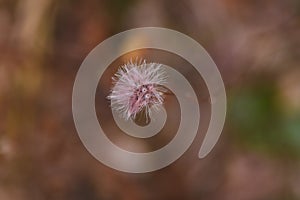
pixel 137 87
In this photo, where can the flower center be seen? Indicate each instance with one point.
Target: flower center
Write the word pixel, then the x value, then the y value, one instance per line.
pixel 143 97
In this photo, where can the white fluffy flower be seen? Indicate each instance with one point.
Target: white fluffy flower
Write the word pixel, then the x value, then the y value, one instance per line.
pixel 137 87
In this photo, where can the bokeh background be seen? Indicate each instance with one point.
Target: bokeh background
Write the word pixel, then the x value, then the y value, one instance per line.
pixel 255 44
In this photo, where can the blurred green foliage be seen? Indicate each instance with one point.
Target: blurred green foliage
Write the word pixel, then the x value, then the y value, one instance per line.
pixel 260 123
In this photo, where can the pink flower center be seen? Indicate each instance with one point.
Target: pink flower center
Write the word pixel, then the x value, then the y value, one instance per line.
pixel 144 95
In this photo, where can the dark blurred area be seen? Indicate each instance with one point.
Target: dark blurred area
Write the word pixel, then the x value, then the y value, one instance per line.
pixel 256 46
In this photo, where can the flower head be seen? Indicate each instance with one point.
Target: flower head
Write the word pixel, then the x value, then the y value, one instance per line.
pixel 137 87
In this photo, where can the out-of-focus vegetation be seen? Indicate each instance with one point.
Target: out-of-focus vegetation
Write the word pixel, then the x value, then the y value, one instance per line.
pixel 256 46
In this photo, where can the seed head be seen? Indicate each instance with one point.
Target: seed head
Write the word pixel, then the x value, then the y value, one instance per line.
pixel 137 86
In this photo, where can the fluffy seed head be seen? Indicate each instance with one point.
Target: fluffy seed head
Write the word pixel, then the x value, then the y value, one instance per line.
pixel 137 87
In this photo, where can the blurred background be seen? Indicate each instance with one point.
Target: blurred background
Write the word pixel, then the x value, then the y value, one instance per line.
pixel 256 46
